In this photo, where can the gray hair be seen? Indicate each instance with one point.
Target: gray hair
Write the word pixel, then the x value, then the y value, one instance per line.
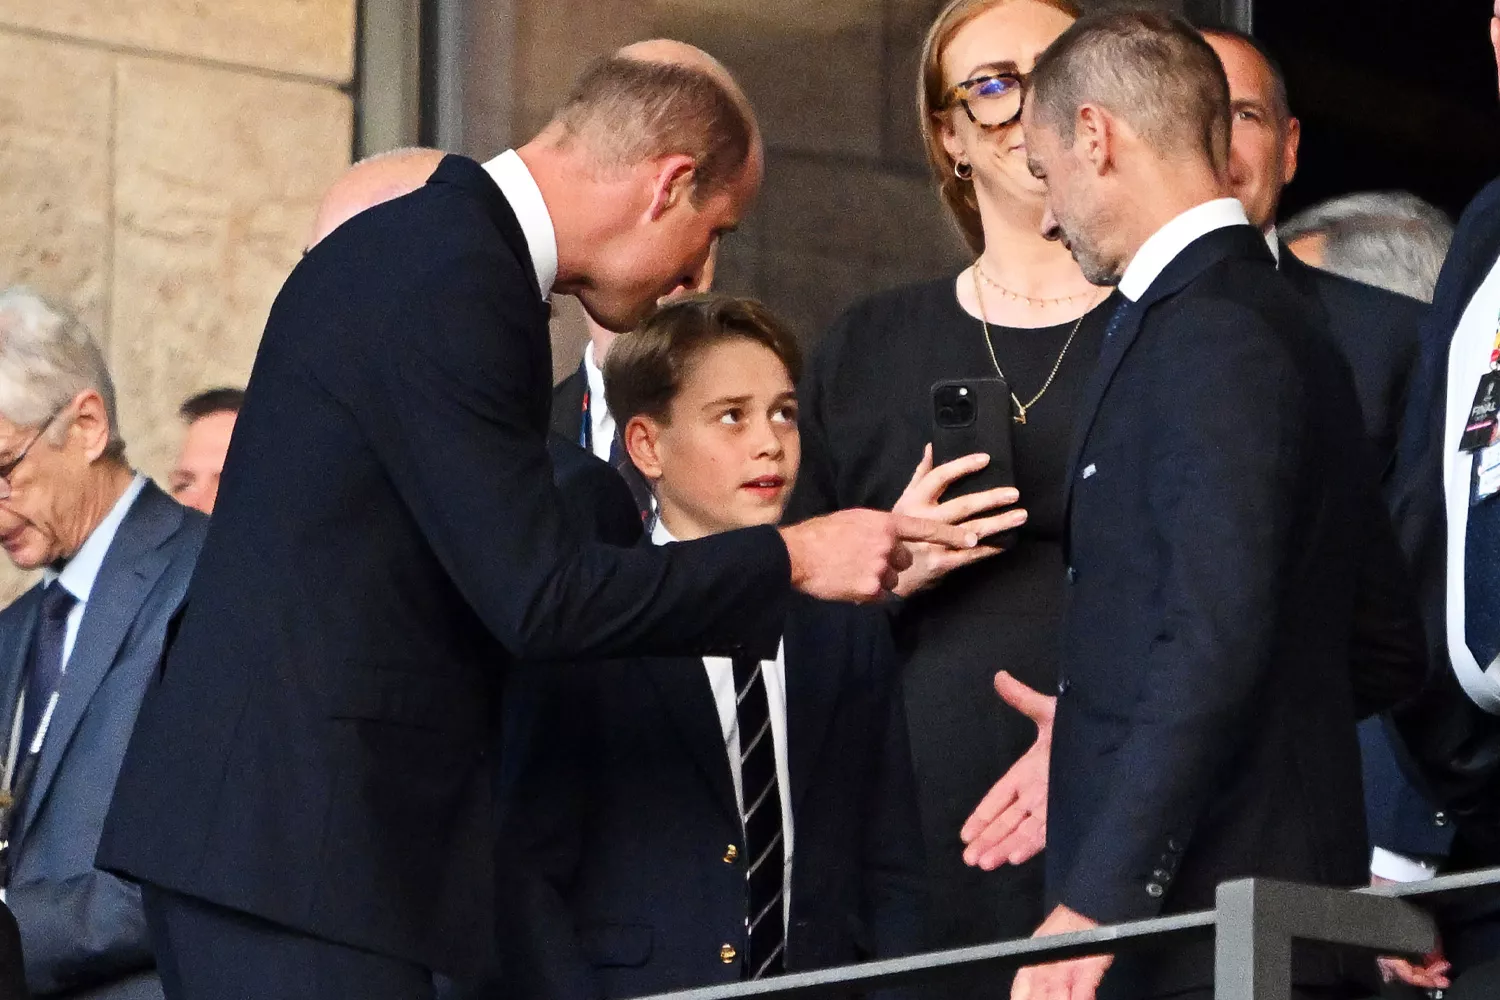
pixel 1390 239
pixel 46 358
pixel 1152 71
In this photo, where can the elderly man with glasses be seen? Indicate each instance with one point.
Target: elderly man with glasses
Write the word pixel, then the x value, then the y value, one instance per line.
pixel 77 650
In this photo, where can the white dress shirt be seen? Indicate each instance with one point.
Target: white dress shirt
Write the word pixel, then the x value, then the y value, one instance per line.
pixel 1173 238
pixel 1468 361
pixel 601 421
pixel 721 681
pixel 1273 240
pixel 514 179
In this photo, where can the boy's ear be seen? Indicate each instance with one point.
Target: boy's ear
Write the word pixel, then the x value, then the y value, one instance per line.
pixel 642 439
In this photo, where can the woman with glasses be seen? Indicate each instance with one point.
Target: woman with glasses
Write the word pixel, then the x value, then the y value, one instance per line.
pixel 1022 310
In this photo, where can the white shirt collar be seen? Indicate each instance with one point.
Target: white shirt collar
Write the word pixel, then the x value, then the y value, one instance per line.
pixel 1274 242
pixel 514 179
pixel 1173 238
pixel 601 421
pixel 660 535
pixel 83 569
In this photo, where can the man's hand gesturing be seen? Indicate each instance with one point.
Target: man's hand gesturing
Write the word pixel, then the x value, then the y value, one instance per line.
pixel 858 555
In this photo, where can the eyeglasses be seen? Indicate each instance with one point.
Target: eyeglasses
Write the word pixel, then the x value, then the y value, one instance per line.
pixel 10 467
pixel 991 101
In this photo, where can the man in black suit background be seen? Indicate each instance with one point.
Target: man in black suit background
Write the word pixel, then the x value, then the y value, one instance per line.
pixel 387 539
pixel 1223 526
pixel 1375 330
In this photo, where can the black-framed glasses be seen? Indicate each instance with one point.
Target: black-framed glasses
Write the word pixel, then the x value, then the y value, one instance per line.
pixel 991 101
pixel 10 467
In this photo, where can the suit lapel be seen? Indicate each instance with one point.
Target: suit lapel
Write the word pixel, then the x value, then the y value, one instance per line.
pixel 814 670
pixel 14 651
pixel 129 572
pixel 567 406
pixel 1197 257
pixel 683 686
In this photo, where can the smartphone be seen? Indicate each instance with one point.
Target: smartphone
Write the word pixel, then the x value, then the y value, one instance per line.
pixel 974 415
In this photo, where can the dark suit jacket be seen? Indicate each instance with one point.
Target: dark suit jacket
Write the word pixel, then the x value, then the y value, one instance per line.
pixel 1455 744
pixel 12 973
pixel 82 928
pixel 596 500
pixel 1222 524
pixel 1376 332
pixel 568 414
pixel 387 541
pixel 621 799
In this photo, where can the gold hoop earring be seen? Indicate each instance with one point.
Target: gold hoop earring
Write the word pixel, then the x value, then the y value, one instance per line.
pixel 963 170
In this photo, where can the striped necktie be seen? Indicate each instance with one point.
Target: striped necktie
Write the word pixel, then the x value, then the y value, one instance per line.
pixel 761 813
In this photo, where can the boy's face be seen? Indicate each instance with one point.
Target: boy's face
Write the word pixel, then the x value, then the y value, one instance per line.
pixel 728 456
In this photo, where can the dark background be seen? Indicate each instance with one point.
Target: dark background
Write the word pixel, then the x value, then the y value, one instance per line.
pixel 1392 95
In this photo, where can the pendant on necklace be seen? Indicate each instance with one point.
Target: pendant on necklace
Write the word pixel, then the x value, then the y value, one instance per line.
pixel 1020 418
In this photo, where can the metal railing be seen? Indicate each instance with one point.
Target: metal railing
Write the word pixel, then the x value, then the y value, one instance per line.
pixel 1253 925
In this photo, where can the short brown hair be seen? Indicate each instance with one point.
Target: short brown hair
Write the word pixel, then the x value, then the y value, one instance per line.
pixel 645 369
pixel 1155 72
pixel 932 87
pixel 632 110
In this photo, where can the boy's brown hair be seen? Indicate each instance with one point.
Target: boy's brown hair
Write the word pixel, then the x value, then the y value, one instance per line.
pixel 645 369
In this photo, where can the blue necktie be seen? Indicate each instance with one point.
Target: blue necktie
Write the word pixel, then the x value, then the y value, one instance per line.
pixel 46 668
pixel 1482 579
pixel 1118 320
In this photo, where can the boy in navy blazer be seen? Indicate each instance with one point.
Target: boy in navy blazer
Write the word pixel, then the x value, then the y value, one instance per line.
pixel 671 827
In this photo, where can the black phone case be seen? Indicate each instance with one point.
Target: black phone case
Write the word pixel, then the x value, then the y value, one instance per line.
pixel 985 426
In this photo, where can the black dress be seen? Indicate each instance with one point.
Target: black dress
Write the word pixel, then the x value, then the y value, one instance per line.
pixel 865 405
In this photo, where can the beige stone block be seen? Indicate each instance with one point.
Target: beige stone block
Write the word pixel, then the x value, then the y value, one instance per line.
pixel 308 37
pixel 218 177
pixel 809 291
pixel 54 172
pixel 814 71
pixel 906 29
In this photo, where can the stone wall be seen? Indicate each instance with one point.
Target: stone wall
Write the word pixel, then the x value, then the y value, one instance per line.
pixel 160 163
pixel 848 207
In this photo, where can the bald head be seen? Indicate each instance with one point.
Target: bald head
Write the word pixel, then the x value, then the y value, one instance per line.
pixel 371 182
pixel 660 98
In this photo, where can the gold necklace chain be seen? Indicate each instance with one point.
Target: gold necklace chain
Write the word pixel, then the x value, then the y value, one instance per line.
pixel 1018 297
pixel 1021 408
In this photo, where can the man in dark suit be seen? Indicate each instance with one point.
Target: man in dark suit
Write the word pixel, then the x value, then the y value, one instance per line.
pixel 635 787
pixel 388 539
pixel 76 651
pixel 1448 513
pixel 1223 527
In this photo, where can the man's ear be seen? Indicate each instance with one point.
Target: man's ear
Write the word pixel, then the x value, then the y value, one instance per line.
pixel 1289 150
pixel 90 424
pixel 642 440
pixel 1094 137
pixel 672 183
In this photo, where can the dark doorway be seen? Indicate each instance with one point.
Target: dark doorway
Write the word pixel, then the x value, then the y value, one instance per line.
pixel 1392 95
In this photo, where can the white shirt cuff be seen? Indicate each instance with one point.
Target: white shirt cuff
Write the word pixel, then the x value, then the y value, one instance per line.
pixel 1398 867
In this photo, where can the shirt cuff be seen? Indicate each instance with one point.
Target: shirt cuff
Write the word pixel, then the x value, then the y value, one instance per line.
pixel 1400 868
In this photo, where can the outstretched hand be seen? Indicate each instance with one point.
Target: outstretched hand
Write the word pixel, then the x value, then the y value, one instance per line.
pixel 858 555
pixel 977 512
pixel 1009 826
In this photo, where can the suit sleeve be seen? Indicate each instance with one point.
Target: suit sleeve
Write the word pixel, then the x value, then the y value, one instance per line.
pixel 1236 421
pixel 453 407
pixel 894 866
pixel 79 931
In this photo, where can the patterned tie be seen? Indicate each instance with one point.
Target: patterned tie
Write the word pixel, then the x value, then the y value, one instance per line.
pixel 764 845
pixel 1118 319
pixel 46 667
pixel 1482 579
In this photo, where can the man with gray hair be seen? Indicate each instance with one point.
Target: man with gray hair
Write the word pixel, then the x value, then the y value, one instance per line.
pixel 1223 532
pixel 77 650
pixel 1390 239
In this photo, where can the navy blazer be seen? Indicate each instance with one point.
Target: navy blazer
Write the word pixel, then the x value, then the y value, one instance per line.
pixel 387 542
pixel 82 928
pixel 1454 744
pixel 622 822
pixel 1228 559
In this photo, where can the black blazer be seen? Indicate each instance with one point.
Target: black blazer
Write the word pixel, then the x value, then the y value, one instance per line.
pixel 568 414
pixel 622 818
pixel 595 499
pixel 1222 522
pixel 1376 332
pixel 1454 743
pixel 387 541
